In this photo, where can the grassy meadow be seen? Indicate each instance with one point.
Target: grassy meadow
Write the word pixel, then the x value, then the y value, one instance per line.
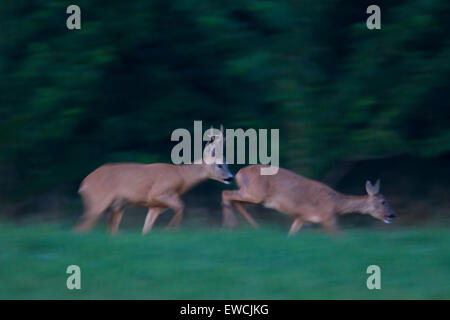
pixel 216 264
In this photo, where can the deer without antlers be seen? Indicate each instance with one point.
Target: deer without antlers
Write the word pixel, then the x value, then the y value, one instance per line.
pixel 158 186
pixel 306 200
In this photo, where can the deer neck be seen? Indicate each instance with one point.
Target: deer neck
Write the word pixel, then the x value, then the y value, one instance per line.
pixel 352 204
pixel 192 175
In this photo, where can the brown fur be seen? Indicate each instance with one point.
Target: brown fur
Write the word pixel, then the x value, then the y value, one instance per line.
pixel 306 200
pixel 158 186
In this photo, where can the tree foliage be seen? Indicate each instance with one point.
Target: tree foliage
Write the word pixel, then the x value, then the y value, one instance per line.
pixel 117 88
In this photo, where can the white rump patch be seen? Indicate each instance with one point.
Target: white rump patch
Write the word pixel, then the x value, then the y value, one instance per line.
pixel 269 205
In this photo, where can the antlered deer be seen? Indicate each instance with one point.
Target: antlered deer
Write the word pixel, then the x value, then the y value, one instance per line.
pixel 306 200
pixel 158 186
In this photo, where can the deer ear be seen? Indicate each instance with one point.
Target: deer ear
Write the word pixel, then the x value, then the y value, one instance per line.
pixel 377 186
pixel 372 189
pixel 209 153
pixel 369 188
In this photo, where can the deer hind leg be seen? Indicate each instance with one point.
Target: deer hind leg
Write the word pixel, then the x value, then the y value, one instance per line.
pixel 114 221
pixel 151 217
pixel 298 223
pixel 330 225
pixel 245 214
pixel 93 211
pixel 116 209
pixel 235 197
pixel 87 222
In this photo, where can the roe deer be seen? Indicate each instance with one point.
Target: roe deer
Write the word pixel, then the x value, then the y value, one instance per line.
pixel 158 186
pixel 308 201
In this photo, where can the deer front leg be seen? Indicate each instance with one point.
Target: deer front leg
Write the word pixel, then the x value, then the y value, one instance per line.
pixel 298 223
pixel 151 217
pixel 228 217
pixel 235 196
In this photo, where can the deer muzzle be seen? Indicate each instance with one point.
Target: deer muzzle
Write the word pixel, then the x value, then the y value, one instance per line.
pixel 389 218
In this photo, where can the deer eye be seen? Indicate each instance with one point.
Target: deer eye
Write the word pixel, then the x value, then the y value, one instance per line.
pixel 383 202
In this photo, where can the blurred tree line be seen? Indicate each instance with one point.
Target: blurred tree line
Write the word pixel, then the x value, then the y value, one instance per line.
pixel 116 89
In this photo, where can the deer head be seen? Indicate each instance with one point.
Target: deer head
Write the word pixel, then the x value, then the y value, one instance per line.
pixel 214 161
pixel 377 205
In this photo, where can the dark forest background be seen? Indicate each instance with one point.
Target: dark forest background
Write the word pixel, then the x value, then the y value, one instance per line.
pixel 351 103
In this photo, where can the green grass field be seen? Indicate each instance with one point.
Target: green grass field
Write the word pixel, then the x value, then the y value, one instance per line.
pixel 214 264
